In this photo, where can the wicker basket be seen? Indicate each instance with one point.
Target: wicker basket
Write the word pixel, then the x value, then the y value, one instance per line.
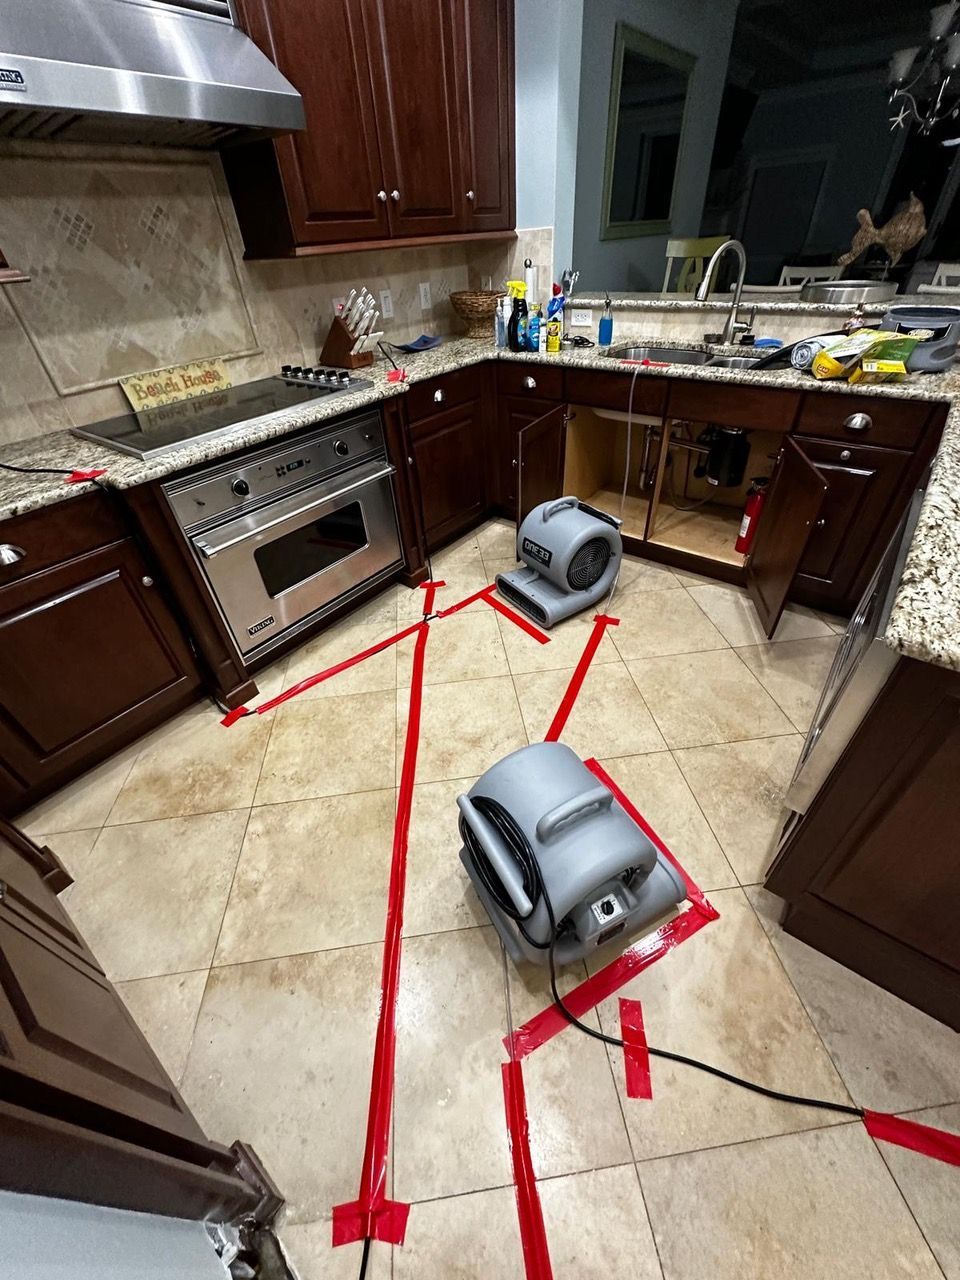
pixel 476 308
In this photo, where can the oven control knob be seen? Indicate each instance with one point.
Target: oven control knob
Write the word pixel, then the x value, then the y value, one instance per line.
pixel 240 487
pixel 341 448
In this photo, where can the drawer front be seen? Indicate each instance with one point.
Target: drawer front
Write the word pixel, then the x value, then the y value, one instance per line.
pixel 612 391
pixel 436 395
pixel 871 420
pixel 55 534
pixel 733 405
pixel 528 379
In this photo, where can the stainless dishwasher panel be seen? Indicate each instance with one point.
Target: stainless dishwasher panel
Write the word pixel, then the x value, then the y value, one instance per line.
pixel 273 567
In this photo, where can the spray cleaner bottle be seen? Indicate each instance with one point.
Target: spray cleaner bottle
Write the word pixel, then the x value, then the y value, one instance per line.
pixel 517 324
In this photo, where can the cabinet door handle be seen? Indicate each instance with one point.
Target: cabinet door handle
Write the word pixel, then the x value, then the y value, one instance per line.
pixel 530 383
pixel 9 554
pixel 513 462
pixel 382 196
pixel 471 195
pixel 439 396
pixel 845 455
pixel 394 194
pixel 147 580
pixel 858 422
pixel 821 523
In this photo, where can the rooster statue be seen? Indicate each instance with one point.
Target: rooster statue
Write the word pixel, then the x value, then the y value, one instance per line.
pixel 904 230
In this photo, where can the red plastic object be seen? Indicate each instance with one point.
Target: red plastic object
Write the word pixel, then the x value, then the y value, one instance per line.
pixel 936 1143
pixel 81 477
pixel 396 375
pixel 533 1235
pixel 751 516
pixel 372 1215
pixel 636 1059
pixel 600 624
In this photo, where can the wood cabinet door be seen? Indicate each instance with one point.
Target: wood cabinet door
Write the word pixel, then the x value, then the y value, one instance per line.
pixel 485 95
pixel 412 62
pixel 68 1047
pixel 90 657
pixel 540 460
pixel 862 483
pixel 448 449
pixel 793 505
pixel 513 414
pixel 332 177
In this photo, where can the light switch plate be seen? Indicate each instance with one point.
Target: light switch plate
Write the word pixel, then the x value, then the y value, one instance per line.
pixel 581 318
pixel 386 304
pixel 425 303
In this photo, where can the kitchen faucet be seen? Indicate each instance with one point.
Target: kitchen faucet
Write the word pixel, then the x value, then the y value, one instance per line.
pixel 731 325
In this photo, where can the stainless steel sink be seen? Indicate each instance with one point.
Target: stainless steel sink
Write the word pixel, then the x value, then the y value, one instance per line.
pixel 660 355
pixel 733 362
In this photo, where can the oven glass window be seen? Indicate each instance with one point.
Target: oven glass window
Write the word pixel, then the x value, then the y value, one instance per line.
pixel 298 555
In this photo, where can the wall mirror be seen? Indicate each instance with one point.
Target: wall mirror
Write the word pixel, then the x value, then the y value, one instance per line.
pixel 648 106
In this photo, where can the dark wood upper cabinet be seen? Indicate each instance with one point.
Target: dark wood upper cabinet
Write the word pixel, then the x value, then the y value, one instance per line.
pixel 485 88
pixel 793 505
pixel 331 172
pixel 409 107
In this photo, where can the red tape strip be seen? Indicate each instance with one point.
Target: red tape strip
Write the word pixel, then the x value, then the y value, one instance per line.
pixel 81 477
pixel 233 716
pixel 533 1235
pixel 517 619
pixel 462 604
pixel 636 1059
pixel 600 624
pixel 936 1143
pixel 371 1214
pixel 431 589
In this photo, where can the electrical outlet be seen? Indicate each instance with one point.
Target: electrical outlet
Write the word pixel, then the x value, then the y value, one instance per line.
pixel 386 304
pixel 338 304
pixel 425 303
pixel 581 318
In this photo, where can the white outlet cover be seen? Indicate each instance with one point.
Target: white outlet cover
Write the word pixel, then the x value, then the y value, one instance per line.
pixel 425 303
pixel 581 318
pixel 386 304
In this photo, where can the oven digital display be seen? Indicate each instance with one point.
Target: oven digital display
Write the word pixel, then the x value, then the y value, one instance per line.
pixel 294 557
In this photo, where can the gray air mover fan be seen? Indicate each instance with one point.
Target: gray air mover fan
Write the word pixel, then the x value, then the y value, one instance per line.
pixel 572 553
pixel 555 859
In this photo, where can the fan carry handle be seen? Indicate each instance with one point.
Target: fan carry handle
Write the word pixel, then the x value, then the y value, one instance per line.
pixel 552 508
pixel 508 873
pixel 597 798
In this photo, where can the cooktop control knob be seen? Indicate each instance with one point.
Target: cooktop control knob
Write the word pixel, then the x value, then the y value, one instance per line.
pixel 286 369
pixel 240 487
pixel 344 377
pixel 341 448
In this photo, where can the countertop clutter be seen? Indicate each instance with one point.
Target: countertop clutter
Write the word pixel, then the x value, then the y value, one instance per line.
pixel 922 622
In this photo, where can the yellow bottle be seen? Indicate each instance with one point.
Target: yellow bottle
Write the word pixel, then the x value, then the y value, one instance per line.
pixel 554 329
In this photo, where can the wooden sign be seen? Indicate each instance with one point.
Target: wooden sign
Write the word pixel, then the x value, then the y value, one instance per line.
pixel 178 382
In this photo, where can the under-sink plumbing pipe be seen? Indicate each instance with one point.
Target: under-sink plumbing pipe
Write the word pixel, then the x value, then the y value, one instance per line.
pixel 626 481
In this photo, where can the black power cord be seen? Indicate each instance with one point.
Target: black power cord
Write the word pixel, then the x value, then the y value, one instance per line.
pixel 521 851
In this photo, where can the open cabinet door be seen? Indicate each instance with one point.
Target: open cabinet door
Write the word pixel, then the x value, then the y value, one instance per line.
pixel 791 510
pixel 540 461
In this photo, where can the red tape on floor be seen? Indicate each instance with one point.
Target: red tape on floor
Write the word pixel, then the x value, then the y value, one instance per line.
pixel 600 624
pixel 533 1235
pixel 462 604
pixel 431 589
pixel 517 619
pixel 233 716
pixel 636 1059
pixel 936 1143
pixel 372 1214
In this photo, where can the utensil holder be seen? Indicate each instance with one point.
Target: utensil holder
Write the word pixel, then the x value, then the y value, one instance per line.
pixel 336 348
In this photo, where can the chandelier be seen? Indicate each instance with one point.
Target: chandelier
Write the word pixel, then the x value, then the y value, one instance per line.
pixel 925 80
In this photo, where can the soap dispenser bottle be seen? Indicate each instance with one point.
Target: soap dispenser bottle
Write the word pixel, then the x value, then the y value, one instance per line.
pixel 517 325
pixel 605 331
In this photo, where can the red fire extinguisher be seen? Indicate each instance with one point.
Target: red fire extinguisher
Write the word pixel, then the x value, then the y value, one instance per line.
pixel 756 496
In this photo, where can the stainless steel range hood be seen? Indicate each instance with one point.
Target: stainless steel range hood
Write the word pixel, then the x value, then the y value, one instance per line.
pixel 176 73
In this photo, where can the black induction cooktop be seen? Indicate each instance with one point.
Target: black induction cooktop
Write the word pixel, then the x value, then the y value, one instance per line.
pixel 172 426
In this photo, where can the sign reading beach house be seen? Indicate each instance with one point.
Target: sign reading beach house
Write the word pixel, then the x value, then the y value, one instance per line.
pixel 179 382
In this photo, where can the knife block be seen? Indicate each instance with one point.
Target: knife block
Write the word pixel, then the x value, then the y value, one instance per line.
pixel 336 348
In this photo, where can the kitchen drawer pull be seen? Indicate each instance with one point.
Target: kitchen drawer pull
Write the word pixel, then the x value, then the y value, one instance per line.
pixel 9 554
pixel 845 455
pixel 858 422
pixel 530 383
pixel 382 196
pixel 471 195
pixel 439 396
pixel 394 194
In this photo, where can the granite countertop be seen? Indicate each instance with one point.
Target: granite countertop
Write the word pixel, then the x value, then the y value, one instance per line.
pixel 762 303
pixel 925 619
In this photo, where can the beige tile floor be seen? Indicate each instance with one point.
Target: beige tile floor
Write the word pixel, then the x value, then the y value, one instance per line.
pixel 233 882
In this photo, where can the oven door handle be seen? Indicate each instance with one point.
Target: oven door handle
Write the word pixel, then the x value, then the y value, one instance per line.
pixel 315 498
